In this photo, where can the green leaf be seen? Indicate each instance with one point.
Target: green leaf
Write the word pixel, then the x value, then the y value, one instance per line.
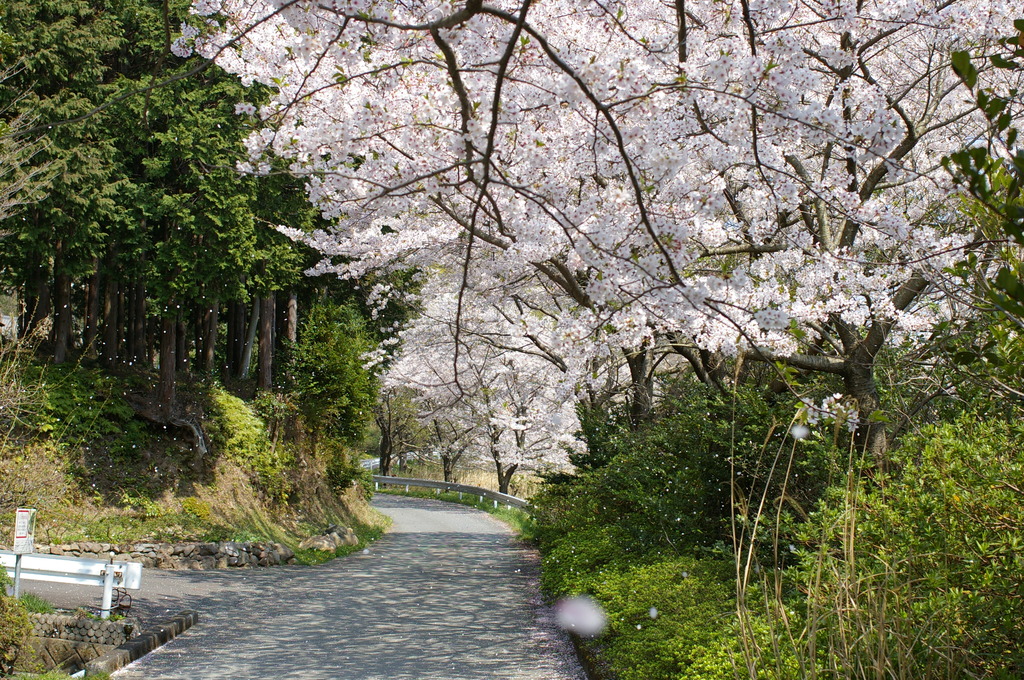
pixel 965 69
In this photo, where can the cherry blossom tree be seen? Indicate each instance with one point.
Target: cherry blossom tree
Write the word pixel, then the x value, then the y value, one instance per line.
pixel 757 177
pixel 496 402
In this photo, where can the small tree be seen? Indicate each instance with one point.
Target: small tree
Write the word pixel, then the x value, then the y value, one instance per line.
pixel 335 392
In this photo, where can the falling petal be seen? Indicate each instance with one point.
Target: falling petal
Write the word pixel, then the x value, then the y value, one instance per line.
pixel 580 615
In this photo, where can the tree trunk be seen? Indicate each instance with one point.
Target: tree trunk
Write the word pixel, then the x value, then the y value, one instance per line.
pixel 62 306
pixel 292 318
pixel 236 337
pixel 264 378
pixel 110 322
pixel 641 389
pixel 448 462
pixel 182 350
pixel 168 365
pixel 505 475
pixel 250 339
pixel 92 311
pixel 139 349
pixel 210 327
pixel 386 446
pixel 871 437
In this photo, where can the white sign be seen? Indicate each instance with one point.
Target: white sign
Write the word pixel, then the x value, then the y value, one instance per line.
pixel 24 531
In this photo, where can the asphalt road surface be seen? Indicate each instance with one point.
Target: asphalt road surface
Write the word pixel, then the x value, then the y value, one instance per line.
pixel 447 594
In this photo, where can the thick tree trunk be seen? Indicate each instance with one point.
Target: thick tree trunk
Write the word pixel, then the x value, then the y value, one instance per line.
pixel 168 365
pixel 62 306
pixel 108 351
pixel 641 389
pixel 448 462
pixel 210 327
pixel 92 311
pixel 505 475
pixel 182 350
pixel 871 437
pixel 264 378
pixel 250 339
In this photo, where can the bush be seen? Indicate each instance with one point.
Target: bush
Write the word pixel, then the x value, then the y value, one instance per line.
pixel 14 627
pixel 82 407
pixel 240 435
pixel 341 471
pixel 672 619
pixel 922 567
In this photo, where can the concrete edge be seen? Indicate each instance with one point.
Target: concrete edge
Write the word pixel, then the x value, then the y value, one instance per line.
pixel 143 644
pixel 592 668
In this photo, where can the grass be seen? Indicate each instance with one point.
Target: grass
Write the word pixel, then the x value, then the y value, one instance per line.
pixel 521 522
pixel 36 605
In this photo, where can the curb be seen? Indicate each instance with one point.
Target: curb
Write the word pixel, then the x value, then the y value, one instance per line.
pixel 587 658
pixel 143 644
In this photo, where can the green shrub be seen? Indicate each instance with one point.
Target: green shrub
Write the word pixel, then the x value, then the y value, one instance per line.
pixel 923 567
pixel 14 627
pixel 238 433
pixel 82 407
pixel 342 472
pixel 196 508
pixel 670 620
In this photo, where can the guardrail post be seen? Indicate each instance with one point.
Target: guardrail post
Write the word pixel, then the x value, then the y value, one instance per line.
pixel 407 488
pixel 460 495
pixel 108 591
pixel 376 486
pixel 17 576
pixel 495 505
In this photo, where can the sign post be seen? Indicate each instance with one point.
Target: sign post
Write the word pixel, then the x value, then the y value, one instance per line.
pixel 24 541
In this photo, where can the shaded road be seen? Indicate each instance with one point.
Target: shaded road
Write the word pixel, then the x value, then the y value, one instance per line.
pixel 446 595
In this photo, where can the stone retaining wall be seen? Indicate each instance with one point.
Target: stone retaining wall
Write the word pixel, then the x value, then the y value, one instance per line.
pixel 220 555
pixel 61 641
pixel 82 629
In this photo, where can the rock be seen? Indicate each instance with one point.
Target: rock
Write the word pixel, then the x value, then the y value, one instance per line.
pixel 207 562
pixel 327 542
pixel 56 550
pixel 285 552
pixel 147 562
pixel 222 563
pixel 207 549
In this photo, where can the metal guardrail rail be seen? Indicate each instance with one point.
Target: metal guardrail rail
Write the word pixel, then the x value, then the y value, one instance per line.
pixel 78 571
pixel 498 498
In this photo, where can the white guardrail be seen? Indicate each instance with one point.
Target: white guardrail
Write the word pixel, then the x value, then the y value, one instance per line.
pixel 498 498
pixel 78 571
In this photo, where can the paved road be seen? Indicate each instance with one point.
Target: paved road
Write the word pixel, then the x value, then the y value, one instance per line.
pixel 447 594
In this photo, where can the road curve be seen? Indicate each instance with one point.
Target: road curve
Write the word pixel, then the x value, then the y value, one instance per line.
pixel 447 594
